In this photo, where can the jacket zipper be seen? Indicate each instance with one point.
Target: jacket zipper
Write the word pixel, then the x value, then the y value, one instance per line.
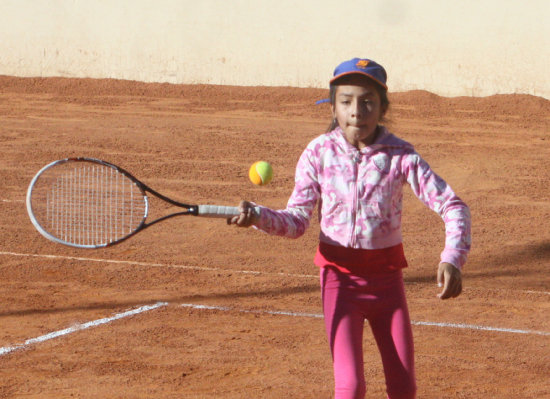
pixel 353 237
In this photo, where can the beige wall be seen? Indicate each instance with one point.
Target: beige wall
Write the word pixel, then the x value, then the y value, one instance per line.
pixel 462 47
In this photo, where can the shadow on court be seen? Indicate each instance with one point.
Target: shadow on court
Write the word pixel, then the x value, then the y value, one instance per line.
pixel 173 299
pixel 513 260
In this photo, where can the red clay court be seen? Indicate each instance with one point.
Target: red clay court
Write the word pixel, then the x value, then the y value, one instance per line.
pixel 193 308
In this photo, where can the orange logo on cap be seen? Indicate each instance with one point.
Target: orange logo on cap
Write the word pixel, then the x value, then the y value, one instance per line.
pixel 362 64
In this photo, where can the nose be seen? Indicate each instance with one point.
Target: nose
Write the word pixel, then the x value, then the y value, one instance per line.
pixel 357 110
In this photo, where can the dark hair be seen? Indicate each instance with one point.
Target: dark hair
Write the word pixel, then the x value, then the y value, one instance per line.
pixel 382 93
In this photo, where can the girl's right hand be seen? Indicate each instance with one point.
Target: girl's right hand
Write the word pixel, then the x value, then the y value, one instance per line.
pixel 247 217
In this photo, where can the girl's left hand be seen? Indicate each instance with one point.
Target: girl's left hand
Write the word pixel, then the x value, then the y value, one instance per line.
pixel 450 278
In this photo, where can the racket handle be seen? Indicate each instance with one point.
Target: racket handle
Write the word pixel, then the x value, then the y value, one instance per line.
pixel 219 211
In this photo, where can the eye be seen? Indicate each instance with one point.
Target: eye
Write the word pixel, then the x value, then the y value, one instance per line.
pixel 370 105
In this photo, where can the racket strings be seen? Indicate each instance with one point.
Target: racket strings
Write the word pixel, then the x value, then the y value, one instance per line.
pixel 89 204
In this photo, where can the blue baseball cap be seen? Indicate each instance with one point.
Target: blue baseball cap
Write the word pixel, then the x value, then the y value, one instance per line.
pixel 362 66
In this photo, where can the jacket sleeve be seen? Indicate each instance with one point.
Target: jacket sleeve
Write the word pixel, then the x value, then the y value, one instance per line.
pixel 433 191
pixel 293 221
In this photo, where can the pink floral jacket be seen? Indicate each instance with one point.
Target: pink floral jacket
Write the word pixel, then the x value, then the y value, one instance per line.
pixel 360 195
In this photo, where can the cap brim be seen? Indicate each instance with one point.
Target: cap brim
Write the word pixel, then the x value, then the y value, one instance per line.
pixel 334 79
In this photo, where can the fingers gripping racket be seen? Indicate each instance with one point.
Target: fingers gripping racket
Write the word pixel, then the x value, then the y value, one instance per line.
pixel 89 203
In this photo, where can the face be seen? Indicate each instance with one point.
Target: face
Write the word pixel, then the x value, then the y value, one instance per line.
pixel 358 110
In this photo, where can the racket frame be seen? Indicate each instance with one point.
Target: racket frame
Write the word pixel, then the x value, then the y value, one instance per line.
pixel 195 210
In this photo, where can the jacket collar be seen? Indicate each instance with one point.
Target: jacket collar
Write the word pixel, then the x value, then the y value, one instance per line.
pixel 384 139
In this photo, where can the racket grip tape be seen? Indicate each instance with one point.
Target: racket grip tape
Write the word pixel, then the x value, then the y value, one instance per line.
pixel 219 211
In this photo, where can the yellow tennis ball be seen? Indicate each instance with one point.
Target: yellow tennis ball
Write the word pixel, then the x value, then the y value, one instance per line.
pixel 260 173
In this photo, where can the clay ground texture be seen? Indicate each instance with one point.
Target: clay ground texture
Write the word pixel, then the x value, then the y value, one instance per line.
pixel 194 308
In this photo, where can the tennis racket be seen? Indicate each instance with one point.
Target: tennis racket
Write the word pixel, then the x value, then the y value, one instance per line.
pixel 89 203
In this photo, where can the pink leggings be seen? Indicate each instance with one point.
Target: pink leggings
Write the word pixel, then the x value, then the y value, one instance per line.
pixel 347 301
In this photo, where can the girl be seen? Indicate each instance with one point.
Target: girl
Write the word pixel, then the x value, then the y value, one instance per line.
pixel 356 172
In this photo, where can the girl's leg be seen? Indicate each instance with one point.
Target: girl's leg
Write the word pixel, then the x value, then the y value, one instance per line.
pixel 393 333
pixel 344 326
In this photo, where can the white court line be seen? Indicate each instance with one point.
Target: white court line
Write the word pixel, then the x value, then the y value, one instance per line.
pixel 79 327
pixel 7 200
pixel 218 269
pixel 131 262
pixel 414 323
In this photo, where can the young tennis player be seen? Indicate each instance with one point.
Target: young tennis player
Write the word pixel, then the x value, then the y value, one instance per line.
pixel 355 172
